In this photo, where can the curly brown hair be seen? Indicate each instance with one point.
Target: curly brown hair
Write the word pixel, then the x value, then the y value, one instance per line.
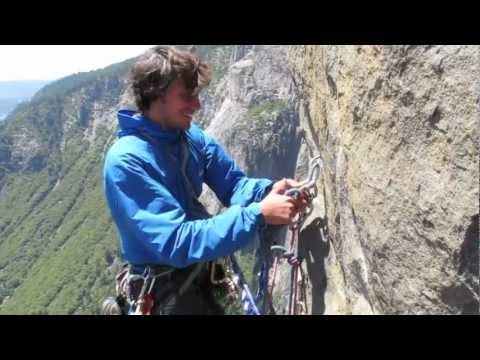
pixel 155 70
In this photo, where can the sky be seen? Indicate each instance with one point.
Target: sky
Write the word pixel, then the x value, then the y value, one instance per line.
pixel 51 62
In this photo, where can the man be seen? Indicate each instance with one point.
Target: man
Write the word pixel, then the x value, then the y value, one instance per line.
pixel 154 173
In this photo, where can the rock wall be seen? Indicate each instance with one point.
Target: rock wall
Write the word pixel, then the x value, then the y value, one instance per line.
pixel 256 120
pixel 397 129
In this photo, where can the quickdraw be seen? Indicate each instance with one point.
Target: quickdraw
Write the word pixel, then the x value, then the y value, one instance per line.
pixel 272 258
pixel 298 280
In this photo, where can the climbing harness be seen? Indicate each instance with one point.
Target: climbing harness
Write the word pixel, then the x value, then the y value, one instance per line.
pixel 144 302
pixel 134 292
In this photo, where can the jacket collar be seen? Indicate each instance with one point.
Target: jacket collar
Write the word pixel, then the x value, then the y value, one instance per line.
pixel 131 122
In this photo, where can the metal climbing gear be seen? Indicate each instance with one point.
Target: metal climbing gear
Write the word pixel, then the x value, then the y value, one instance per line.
pixel 226 282
pixel 308 187
pixel 298 280
pixel 143 302
pixel 271 256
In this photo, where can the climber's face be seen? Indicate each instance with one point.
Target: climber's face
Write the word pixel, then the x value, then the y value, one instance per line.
pixel 175 110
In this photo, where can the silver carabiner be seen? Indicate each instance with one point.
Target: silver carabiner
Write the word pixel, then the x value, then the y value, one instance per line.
pixel 313 173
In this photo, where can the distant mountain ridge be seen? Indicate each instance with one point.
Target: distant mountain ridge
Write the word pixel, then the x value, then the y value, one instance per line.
pixel 21 88
pixel 7 106
pixel 12 93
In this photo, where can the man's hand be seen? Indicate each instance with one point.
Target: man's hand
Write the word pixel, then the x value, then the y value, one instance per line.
pixel 282 186
pixel 278 209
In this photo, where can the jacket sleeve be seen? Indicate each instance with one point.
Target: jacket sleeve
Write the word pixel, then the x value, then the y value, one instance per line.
pixel 147 212
pixel 227 181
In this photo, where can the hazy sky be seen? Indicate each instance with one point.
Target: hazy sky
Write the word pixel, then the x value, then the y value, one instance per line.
pixel 50 62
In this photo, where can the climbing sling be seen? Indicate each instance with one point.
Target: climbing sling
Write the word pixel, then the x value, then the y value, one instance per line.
pixel 273 256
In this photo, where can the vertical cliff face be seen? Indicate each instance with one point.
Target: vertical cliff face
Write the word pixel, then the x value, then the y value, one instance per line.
pixel 397 129
pixel 256 120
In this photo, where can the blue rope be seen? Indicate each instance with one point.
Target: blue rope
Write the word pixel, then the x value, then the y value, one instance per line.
pixel 251 305
pixel 248 302
pixel 261 297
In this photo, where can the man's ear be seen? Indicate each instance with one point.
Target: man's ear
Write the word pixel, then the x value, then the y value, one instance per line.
pixel 161 98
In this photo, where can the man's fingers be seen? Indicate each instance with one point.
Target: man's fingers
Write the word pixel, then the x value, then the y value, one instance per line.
pixel 290 200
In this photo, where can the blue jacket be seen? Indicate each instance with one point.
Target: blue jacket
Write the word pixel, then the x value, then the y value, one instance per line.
pixel 150 202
